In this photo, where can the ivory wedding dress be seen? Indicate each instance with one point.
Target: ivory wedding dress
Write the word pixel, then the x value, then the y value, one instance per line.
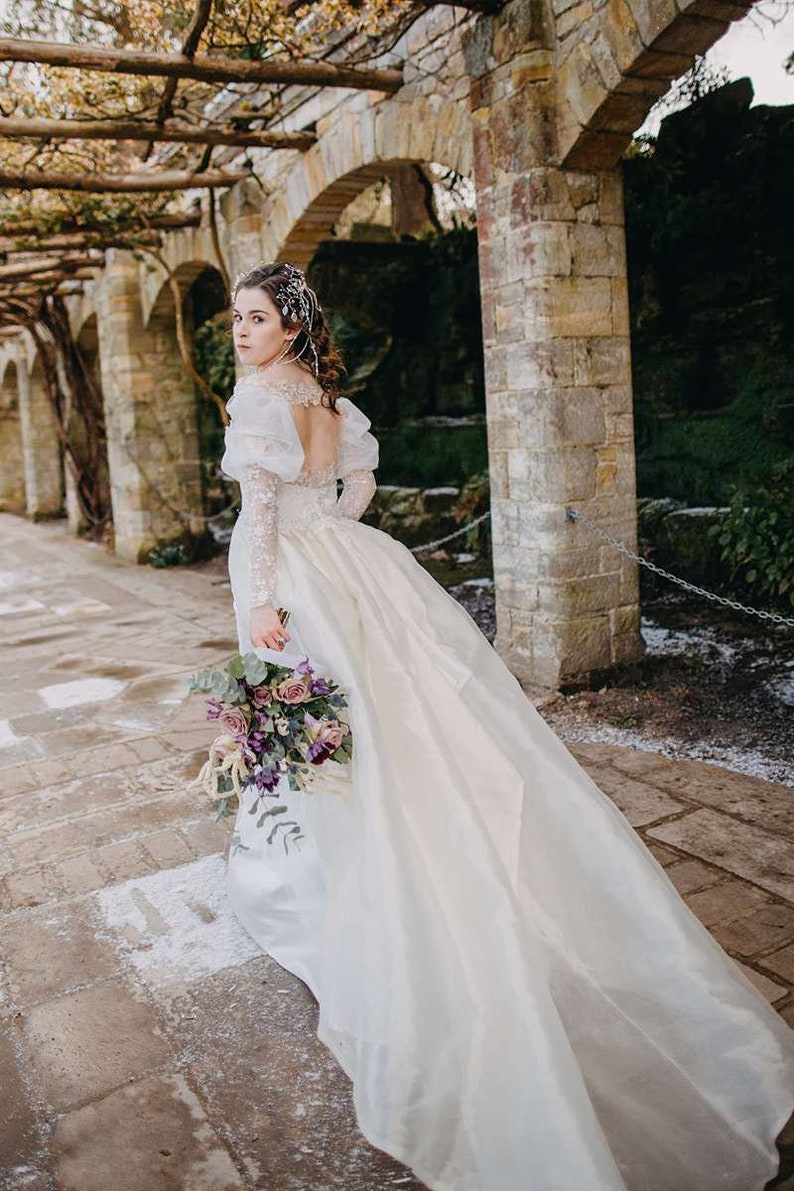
pixel 519 995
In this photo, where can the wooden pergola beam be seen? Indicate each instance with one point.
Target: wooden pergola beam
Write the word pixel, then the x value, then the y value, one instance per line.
pixel 75 240
pixel 202 67
pixel 31 268
pixel 29 227
pixel 121 183
pixel 13 128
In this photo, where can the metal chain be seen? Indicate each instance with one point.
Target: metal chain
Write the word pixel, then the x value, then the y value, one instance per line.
pixel 458 532
pixel 572 515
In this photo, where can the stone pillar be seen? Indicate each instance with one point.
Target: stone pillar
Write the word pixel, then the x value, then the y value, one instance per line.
pixel 557 370
pixel 12 480
pixel 150 418
pixel 41 449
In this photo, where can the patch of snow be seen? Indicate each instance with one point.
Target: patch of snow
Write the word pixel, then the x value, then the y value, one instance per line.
pixel 80 604
pixel 700 640
pixel 783 687
pixel 7 735
pixel 747 761
pixel 81 690
pixel 177 925
pixel 477 583
pixel 21 603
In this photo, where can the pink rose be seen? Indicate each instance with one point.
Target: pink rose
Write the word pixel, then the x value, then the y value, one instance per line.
pixel 331 734
pixel 234 721
pixel 262 696
pixel 293 690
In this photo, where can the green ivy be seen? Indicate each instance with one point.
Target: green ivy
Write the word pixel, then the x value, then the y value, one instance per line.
pixel 757 538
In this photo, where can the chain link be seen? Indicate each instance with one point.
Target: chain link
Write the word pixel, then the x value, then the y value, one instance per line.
pixel 572 515
pixel 458 533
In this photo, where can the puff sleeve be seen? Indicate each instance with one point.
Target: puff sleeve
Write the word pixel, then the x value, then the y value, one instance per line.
pixel 261 433
pixel 358 458
pixel 262 447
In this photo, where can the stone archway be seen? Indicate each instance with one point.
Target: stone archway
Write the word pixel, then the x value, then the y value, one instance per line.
pixel 12 476
pixel 618 60
pixel 362 144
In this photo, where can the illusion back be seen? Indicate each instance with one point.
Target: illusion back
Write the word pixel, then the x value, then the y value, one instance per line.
pixel 287 450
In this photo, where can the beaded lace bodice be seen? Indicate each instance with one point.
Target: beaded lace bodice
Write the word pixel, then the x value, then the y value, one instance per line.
pixel 281 489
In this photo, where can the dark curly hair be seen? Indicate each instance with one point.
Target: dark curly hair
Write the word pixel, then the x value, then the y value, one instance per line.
pixel 330 367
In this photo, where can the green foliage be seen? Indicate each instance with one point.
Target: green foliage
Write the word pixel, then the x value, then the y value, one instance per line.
pixel 213 351
pixel 172 554
pixel 757 539
pixel 711 269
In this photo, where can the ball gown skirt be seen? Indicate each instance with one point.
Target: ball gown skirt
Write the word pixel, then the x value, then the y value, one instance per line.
pixel 520 997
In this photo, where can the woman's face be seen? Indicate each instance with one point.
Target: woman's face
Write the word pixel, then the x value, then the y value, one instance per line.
pixel 259 335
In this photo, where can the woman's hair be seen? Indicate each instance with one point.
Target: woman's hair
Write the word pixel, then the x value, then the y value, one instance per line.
pixel 297 305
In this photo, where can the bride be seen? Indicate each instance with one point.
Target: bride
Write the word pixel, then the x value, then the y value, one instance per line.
pixel 517 992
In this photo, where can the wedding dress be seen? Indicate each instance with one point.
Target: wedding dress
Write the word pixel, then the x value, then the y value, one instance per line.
pixel 519 995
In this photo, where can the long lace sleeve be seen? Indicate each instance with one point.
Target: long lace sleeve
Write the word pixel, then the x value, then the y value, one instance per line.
pixel 358 491
pixel 259 489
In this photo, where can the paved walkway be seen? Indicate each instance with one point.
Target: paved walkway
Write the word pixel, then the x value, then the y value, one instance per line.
pixel 145 1042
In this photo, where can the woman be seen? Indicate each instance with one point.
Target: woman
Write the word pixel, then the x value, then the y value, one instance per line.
pixel 518 993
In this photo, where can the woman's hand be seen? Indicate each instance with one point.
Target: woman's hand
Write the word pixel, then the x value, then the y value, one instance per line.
pixel 265 628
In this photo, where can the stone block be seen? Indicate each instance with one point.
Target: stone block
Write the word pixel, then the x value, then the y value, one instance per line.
pixel 149 1135
pixel 725 902
pixel 688 34
pixel 600 361
pixel 166 848
pixel 773 993
pixel 579 306
pixel 86 1043
pixel 781 963
pixel 690 876
pixel 769 927
pixel 206 835
pixel 19 1134
pixel 537 250
pixel 738 795
pixel 124 859
pixel 48 952
pixel 596 251
pixel 640 803
pixel 79 874
pixel 31 887
pixel 748 851
pixel 541 194
pixel 582 416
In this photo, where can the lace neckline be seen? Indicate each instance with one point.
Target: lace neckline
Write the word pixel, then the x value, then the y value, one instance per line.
pixel 296 392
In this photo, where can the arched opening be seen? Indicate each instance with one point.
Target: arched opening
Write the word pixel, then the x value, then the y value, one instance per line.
pixel 12 477
pixel 394 258
pixel 85 428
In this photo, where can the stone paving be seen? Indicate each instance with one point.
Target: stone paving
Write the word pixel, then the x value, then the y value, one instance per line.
pixel 145 1041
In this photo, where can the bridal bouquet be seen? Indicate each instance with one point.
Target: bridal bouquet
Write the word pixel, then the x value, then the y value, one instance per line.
pixel 275 722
